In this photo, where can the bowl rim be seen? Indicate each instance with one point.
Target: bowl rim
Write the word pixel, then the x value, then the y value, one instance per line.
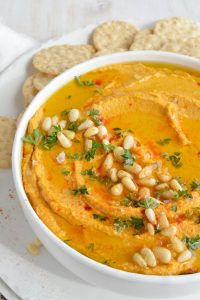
pixel 39 99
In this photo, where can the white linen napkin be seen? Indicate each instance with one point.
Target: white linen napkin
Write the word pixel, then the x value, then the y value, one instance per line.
pixel 12 45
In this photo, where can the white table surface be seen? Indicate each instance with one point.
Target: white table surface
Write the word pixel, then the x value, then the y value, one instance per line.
pixel 44 19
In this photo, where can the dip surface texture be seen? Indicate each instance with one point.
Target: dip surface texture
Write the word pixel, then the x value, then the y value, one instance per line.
pixel 111 166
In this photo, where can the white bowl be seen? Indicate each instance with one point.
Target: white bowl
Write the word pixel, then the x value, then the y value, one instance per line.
pixel 84 267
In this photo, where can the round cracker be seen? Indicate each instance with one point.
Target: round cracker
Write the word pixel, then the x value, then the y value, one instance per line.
pixel 7 133
pixel 114 34
pixel 40 80
pixel 109 51
pixel 146 40
pixel 188 47
pixel 57 59
pixel 28 90
pixel 177 27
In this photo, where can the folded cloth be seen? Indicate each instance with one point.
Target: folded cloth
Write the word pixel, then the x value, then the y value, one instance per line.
pixel 12 45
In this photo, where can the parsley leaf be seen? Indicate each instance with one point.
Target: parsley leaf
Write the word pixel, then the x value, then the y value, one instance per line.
pixel 175 159
pixel 128 158
pixel 74 156
pixel 34 138
pixel 65 112
pixel 195 185
pixel 81 190
pixel 121 133
pixel 51 139
pixel 184 194
pixel 99 217
pixel 91 152
pixel 73 126
pixel 94 114
pixel 65 172
pixel 192 243
pixel 138 223
pixel 148 203
pixel 108 148
pixel 127 201
pixel 120 225
pixel 91 173
pixel 83 82
pixel 173 208
pixel 163 141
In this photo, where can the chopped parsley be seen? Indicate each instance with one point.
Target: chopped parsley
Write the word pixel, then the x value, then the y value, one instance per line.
pixel 94 114
pixel 108 262
pixel 74 156
pixel 99 217
pixel 73 126
pixel 91 246
pixel 138 223
pixel 121 133
pixel 128 158
pixel 195 185
pixel 173 208
pixel 65 112
pixel 81 190
pixel 163 141
pixel 148 203
pixel 51 139
pixel 65 172
pixel 185 194
pixel 83 82
pixel 91 173
pixel 105 180
pixel 175 159
pixel 192 243
pixel 76 141
pixel 120 225
pixel 127 201
pixel 98 91
pixel 91 152
pixel 108 148
pixel 34 138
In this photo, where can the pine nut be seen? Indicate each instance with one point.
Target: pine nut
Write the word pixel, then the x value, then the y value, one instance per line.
pixel 118 152
pixel 147 182
pixel 63 140
pixel 54 120
pixel 170 194
pixel 162 186
pixel 91 132
pixel 88 144
pixel 46 124
pixel 69 134
pixel 149 213
pixel 62 123
pixel 146 172
pixel 128 142
pixel 150 229
pixel 134 169
pixel 103 132
pixel 149 257
pixel 122 173
pixel 177 244
pixel 73 115
pixel 163 220
pixel 162 254
pixel 105 142
pixel 129 184
pixel 138 259
pixel 164 177
pixel 85 125
pixel 144 192
pixel 61 157
pixel 175 185
pixel 108 162
pixel 117 189
pixel 184 256
pixel 113 174
pixel 170 231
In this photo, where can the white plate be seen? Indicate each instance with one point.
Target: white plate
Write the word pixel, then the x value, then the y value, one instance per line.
pixel 41 277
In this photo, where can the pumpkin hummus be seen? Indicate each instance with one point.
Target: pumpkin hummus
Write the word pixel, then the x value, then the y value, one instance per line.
pixel 111 166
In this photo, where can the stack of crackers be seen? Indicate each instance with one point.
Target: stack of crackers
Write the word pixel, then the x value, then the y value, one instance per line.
pixel 176 34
